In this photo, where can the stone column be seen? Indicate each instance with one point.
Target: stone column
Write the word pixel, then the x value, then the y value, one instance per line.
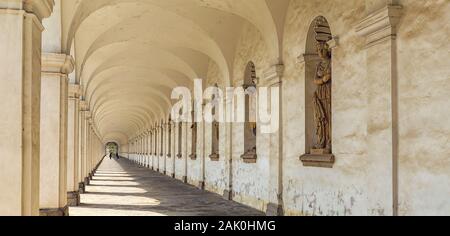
pixel 153 148
pixel 273 80
pixel 91 151
pixel 83 148
pixel 87 143
pixel 20 78
pixel 140 150
pixel 73 157
pixel 380 30
pixel 148 150
pixel 53 164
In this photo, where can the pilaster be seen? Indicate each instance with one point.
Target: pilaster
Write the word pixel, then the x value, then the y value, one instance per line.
pixel 379 28
pixel 54 118
pixel 273 81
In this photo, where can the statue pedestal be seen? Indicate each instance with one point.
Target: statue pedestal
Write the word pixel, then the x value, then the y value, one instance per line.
pixel 318 158
pixel 214 157
pixel 250 157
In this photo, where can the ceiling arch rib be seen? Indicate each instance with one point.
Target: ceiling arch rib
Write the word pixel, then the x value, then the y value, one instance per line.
pixel 133 53
pixel 131 116
pixel 156 45
pixel 256 12
pixel 175 33
pixel 133 99
pixel 119 80
pixel 117 137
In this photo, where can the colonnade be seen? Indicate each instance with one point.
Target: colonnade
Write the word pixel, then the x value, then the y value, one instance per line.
pixel 49 146
pixel 161 146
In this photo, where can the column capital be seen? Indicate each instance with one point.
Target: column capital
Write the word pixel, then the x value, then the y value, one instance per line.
pixel 74 91
pixel 41 8
pixel 57 63
pixel 380 25
pixel 83 106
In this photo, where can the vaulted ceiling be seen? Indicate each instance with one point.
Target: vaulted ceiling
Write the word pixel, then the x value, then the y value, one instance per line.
pixel 130 54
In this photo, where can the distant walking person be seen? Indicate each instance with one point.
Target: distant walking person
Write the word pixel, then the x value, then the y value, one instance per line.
pixel 110 155
pixel 117 155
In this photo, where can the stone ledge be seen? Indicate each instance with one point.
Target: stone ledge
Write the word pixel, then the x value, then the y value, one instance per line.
pixel 214 157
pixel 179 156
pixel 322 161
pixel 249 158
pixel 64 211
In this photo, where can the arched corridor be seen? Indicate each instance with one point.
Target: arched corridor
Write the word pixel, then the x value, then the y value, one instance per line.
pixel 122 188
pixel 228 107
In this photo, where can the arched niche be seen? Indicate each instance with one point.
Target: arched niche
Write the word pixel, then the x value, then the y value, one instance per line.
pixel 318 92
pixel 162 138
pixel 194 134
pixel 250 126
pixel 180 140
pixel 215 132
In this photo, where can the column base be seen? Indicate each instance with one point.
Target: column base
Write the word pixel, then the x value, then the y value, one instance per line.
pixel 73 198
pixel 274 210
pixel 86 181
pixel 201 185
pixel 173 176
pixel 185 180
pixel 64 211
pixel 227 195
pixel 82 187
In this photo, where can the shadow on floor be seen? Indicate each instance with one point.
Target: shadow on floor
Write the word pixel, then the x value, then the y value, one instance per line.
pixel 122 188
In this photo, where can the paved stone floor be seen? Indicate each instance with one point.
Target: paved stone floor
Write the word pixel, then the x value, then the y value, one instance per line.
pixel 121 188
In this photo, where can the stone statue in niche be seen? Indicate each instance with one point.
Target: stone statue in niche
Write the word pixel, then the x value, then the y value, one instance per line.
pixel 322 95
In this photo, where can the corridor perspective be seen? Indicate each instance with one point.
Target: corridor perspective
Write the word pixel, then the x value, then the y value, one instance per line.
pixel 123 188
pixel 224 107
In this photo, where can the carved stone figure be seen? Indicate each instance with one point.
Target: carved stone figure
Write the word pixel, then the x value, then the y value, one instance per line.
pixel 322 95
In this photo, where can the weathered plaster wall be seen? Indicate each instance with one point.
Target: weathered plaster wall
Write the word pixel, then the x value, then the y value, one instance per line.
pixel 423 92
pixel 246 188
pixel 194 166
pixel 216 179
pixel 180 162
pixel 343 189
